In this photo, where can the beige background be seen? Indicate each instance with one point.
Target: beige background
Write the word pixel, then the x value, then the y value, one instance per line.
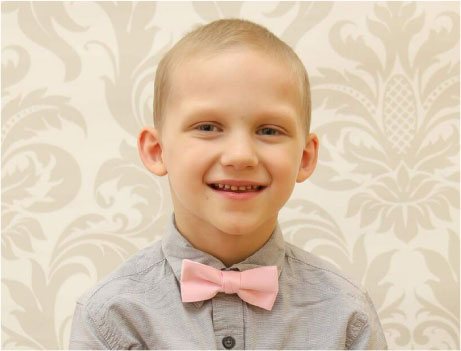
pixel 77 85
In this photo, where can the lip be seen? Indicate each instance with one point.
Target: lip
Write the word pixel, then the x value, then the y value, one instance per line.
pixel 235 195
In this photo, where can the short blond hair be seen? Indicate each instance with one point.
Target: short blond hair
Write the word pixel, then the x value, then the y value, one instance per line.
pixel 219 36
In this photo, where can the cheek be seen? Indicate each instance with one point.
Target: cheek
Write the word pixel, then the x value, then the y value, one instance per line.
pixel 187 163
pixel 178 154
pixel 285 163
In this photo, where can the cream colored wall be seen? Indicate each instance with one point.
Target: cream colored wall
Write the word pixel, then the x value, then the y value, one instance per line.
pixel 77 82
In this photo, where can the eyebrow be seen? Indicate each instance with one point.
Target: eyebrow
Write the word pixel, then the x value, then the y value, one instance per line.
pixel 284 114
pixel 200 111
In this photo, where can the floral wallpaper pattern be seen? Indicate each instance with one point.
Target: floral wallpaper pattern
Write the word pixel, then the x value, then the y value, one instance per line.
pixel 383 205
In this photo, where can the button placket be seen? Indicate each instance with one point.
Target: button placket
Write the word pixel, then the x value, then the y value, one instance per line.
pixel 228 321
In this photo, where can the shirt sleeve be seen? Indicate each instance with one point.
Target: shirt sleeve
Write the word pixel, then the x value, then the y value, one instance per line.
pixel 84 334
pixel 369 333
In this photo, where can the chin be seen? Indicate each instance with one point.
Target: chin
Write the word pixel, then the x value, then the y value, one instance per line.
pixel 239 228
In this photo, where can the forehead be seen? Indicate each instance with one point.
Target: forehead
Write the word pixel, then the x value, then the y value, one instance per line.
pixel 234 77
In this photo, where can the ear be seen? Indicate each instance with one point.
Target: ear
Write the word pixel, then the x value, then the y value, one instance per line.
pixel 150 151
pixel 309 158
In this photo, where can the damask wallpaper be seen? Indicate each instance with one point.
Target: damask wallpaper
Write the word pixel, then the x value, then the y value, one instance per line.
pixel 383 205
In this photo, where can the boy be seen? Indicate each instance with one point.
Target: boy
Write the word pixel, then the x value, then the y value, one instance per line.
pixel 231 112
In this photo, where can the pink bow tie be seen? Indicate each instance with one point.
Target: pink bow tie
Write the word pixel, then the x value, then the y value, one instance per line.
pixel 258 286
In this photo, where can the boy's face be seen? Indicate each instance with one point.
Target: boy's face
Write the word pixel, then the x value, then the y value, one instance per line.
pixel 231 120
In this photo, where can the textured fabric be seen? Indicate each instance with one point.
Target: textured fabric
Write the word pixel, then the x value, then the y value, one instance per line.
pixel 139 305
pixel 257 286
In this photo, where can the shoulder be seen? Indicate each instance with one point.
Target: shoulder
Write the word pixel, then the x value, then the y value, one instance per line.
pixel 322 275
pixel 109 310
pixel 347 300
pixel 135 275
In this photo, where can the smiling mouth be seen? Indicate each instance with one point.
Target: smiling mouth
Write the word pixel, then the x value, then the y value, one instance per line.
pixel 236 188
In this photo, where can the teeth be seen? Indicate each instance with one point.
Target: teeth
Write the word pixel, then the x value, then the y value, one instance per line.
pixel 237 188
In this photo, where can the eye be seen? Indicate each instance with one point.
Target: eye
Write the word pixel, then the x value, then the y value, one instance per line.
pixel 269 131
pixel 207 127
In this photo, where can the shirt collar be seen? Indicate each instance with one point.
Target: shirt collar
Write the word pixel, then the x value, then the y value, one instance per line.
pixel 176 248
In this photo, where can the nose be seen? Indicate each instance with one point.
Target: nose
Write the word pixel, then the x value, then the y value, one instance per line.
pixel 239 153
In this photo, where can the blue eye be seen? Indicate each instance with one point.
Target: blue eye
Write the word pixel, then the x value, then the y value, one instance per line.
pixel 268 131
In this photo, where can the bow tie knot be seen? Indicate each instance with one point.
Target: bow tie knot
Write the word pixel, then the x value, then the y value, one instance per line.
pixel 258 286
pixel 230 282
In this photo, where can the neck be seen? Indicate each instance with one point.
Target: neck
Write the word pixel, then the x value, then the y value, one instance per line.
pixel 229 248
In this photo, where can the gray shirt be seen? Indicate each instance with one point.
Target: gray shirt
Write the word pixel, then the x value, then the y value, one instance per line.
pixel 139 305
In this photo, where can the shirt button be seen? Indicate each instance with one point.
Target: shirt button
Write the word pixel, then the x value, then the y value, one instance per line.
pixel 228 342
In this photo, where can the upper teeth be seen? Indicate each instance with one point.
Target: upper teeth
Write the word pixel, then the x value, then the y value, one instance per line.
pixel 235 187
